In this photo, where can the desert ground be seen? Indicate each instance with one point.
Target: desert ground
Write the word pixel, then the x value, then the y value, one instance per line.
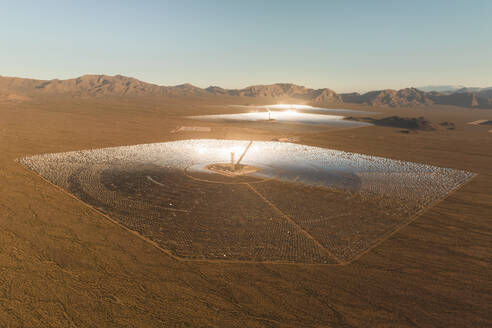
pixel 64 264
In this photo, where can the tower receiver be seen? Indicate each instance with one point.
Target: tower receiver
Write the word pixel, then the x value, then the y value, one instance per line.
pixel 234 169
pixel 237 166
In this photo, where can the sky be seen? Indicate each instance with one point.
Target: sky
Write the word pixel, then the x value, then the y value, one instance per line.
pixel 344 45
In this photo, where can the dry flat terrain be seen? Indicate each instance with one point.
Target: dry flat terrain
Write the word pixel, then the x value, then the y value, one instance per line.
pixel 65 265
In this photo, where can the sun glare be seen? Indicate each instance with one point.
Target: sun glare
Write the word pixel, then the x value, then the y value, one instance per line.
pixel 290 106
pixel 290 112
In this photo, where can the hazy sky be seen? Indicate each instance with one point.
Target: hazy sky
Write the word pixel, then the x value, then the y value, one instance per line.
pixel 344 45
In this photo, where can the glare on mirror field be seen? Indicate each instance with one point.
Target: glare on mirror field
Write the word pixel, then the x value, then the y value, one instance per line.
pixel 289 113
pixel 303 108
pixel 167 181
pixel 295 162
pixel 290 106
pixel 286 116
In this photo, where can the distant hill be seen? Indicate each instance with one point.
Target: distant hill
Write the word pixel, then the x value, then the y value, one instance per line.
pixel 411 123
pixel 20 89
pixel 393 98
pixel 440 88
pixel 317 96
pixel 478 90
pixel 91 86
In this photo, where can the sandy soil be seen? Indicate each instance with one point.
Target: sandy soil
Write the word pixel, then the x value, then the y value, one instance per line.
pixel 65 265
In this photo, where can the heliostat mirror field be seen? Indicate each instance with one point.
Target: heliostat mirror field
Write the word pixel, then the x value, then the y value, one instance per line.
pixel 300 204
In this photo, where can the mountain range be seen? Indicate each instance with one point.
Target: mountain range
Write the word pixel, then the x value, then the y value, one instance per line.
pixel 453 89
pixel 21 89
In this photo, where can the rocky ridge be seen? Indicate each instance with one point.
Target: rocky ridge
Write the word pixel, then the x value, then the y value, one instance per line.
pixel 118 85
